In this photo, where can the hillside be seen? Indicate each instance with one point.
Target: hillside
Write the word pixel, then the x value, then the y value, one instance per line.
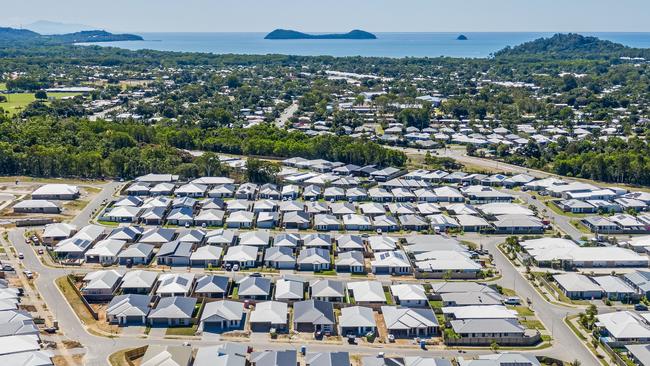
pixel 292 34
pixel 571 46
pixel 24 35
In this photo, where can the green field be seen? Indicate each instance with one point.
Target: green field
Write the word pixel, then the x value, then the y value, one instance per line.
pixel 16 102
pixel 3 86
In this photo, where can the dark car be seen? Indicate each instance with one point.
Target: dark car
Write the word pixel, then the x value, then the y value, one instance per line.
pixel 640 307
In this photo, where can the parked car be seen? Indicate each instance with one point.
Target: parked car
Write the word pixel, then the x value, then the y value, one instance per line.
pixel 640 307
pixel 21 255
pixel 29 274
pixel 7 268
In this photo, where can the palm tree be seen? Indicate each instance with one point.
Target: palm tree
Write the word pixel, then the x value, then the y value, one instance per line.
pixel 575 363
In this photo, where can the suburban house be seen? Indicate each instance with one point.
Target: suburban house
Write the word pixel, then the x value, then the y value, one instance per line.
pixel 269 315
pixel 357 320
pixel 222 315
pixel 314 316
pixel 404 322
pixel 128 309
pixel 172 311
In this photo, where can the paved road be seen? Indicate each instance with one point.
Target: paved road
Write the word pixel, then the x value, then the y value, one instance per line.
pixel 560 221
pixel 566 346
pixel 286 115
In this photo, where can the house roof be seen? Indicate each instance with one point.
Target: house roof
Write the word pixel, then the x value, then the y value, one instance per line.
pixel 367 291
pixel 222 310
pixel 129 305
pixel 313 312
pixel 274 312
pixel 357 316
pixel 139 279
pixel 254 286
pixel 486 326
pixel 397 318
pixel 211 284
pixel 174 307
pixel 327 288
pixel 166 356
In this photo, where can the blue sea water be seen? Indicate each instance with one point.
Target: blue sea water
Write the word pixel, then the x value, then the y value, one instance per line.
pixel 386 44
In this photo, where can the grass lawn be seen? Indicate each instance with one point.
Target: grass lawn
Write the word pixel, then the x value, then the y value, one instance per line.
pixel 18 101
pixel 235 293
pixel 3 86
pixel 559 211
pixel 435 304
pixel 508 292
pixel 533 324
pixel 578 225
pixel 523 311
pixel 181 331
pixel 73 299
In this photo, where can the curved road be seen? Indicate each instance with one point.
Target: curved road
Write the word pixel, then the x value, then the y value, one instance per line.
pixel 565 345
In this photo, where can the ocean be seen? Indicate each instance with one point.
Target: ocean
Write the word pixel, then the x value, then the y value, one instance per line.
pixel 386 44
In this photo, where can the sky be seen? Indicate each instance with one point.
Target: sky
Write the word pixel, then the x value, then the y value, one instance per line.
pixel 337 15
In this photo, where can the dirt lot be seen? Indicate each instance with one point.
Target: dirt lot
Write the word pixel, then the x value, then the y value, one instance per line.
pixel 15 189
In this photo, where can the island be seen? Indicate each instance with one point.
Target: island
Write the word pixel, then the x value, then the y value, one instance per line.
pixel 24 35
pixel 292 34
pixel 462 37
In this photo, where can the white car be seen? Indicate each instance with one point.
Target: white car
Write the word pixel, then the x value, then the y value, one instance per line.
pixel 28 274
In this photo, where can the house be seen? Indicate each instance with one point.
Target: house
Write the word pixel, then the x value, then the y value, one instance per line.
pixel 128 234
pixel 640 281
pixel 471 298
pixel 289 290
pixel 209 217
pixel 162 189
pixel 483 332
pixel 577 286
pixel 259 238
pixel 479 312
pixel 356 194
pixel 157 178
pixel 347 242
pixel 172 311
pixel 314 316
pixel 58 231
pixel 281 257
pixel 372 209
pixel 73 248
pixel 269 315
pixel 240 220
pixel 175 284
pixel 471 223
pixel 502 359
pixel 380 195
pixel 136 254
pixel 291 206
pixel 227 354
pixel 222 237
pixel 367 292
pixel 385 223
pixel 289 240
pixel 243 255
pixel 404 322
pixel 206 256
pixel 639 353
pixel 518 224
pixel 413 222
pixel 296 220
pixel 211 286
pixel 334 194
pixel 153 215
pixel 193 190
pixel 409 295
pixel 56 192
pixel 313 259
pixel 327 359
pixel 357 320
pixel 382 243
pixel 37 206
pixel 325 222
pixel 267 220
pixel 138 189
pixel 621 328
pixel 351 261
pixel 123 214
pixel 357 222
pixel 128 309
pixel 614 288
pixel 312 193
pixel 175 253
pixel 323 241
pixel 391 262
pixel 274 358
pixel 157 236
pixel 254 288
pixel 269 191
pixel 599 224
pixel 327 290
pixel 265 206
pixel 104 251
pixel 290 192
pixel 575 206
pixel 100 285
pixel 167 355
pixel 222 315
pixel 138 282
pixel 222 191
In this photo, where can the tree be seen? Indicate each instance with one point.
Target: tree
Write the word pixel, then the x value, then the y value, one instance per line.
pixel 261 171
pixel 494 346
pixel 40 94
pixel 575 363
